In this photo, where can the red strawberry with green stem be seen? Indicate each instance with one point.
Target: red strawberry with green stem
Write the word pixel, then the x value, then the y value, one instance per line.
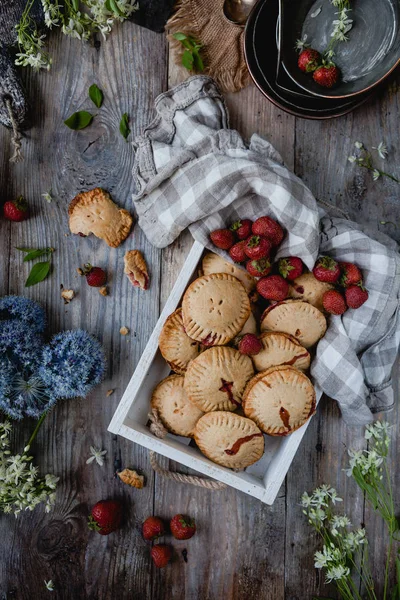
pixel 182 528
pixel 161 555
pixel 259 268
pixel 326 75
pixel 273 287
pixel 250 345
pixel 258 247
pixel 268 228
pixel 356 295
pixel 351 274
pixel 237 252
pixel 309 60
pixel 153 527
pixel 95 276
pixel 242 228
pixel 106 516
pixel 290 267
pixel 326 269
pixel 334 303
pixel 222 238
pixel 16 210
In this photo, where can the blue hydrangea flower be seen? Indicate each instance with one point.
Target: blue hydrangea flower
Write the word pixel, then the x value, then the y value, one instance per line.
pixel 23 395
pixel 73 363
pixel 21 345
pixel 25 310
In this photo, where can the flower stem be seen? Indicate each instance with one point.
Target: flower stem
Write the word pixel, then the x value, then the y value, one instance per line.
pixel 38 426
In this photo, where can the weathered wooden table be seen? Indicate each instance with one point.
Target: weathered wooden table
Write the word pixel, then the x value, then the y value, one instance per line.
pixel 243 549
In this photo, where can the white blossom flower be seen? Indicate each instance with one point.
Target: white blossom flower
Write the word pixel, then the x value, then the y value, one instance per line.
pixel 47 196
pixel 49 585
pixel 337 572
pixel 97 455
pixel 358 145
pixel 382 150
pixel 375 174
pixel 323 558
pixel 339 522
pixel 352 159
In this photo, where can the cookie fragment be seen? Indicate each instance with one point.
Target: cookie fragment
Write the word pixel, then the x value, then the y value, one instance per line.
pixel 67 295
pixel 95 212
pixel 132 478
pixel 136 269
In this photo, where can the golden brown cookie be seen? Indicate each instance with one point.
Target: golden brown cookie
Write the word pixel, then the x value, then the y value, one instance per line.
pixel 216 379
pixel 279 400
pixel 215 308
pixel 308 288
pixel 95 212
pixel 300 319
pixel 280 349
pixel 136 269
pixel 213 263
pixel 229 439
pixel 176 412
pixel 177 348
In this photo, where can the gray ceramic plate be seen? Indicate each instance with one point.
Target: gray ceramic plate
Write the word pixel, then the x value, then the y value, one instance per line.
pixel 370 54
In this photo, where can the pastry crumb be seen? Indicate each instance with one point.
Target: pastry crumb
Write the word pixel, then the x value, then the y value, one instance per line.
pixel 109 392
pixel 80 271
pixel 67 295
pixel 124 331
pixel 103 290
pixel 132 478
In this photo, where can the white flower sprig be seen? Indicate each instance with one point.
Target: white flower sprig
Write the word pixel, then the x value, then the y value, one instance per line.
pixel 341 27
pixel 364 159
pixel 79 19
pixel 20 486
pixel 49 585
pixel 97 455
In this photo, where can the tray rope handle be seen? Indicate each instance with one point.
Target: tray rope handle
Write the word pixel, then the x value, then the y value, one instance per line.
pixel 158 429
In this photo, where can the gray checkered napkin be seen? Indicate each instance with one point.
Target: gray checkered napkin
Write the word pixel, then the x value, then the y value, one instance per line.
pixel 192 171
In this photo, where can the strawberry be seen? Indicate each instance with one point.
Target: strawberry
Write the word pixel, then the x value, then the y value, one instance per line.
pixel 356 295
pixel 153 527
pixel 334 303
pixel 182 528
pixel 326 75
pixel 106 516
pixel 290 267
pixel 250 344
pixel 257 247
pixel 237 252
pixel 16 210
pixel 273 287
pixel 351 274
pixel 309 59
pixel 268 228
pixel 222 238
pixel 242 228
pixel 259 268
pixel 326 269
pixel 95 276
pixel 161 555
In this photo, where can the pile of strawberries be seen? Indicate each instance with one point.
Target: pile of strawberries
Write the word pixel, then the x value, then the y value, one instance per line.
pixel 253 244
pixel 181 527
pixel 325 73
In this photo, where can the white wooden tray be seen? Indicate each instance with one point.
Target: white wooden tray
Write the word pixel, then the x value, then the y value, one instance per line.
pixel 262 480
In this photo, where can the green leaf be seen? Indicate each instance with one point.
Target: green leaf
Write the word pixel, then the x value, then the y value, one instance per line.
pixel 179 36
pixel 197 60
pixel 21 249
pixel 38 272
pixel 114 8
pixel 79 120
pixel 187 60
pixel 75 4
pixel 37 253
pixel 96 95
pixel 124 126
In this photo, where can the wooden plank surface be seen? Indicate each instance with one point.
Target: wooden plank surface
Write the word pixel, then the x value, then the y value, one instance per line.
pixel 244 550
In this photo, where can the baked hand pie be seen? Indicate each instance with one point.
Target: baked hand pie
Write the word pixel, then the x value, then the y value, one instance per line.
pixel 216 379
pixel 229 439
pixel 215 308
pixel 95 212
pixel 176 412
pixel 300 319
pixel 307 287
pixel 176 347
pixel 135 268
pixel 280 349
pixel 279 400
pixel 213 263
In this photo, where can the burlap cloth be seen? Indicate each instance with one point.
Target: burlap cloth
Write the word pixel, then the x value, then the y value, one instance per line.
pixel 222 51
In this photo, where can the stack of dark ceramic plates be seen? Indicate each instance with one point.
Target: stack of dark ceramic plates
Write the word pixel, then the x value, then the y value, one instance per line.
pixel 365 60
